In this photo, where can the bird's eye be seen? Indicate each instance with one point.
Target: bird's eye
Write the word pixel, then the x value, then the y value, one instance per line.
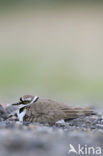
pixel 25 102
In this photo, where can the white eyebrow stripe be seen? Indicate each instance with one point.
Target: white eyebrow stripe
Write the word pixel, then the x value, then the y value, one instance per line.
pixel 34 99
pixel 28 99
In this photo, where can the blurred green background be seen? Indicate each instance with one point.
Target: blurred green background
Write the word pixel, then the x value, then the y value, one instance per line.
pixel 53 49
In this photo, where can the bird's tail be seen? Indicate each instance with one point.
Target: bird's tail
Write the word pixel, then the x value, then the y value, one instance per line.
pixel 73 113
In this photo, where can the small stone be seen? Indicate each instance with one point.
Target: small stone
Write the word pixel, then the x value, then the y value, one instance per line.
pixel 10 108
pixel 102 121
pixel 32 126
pixel 3 114
pixel 99 126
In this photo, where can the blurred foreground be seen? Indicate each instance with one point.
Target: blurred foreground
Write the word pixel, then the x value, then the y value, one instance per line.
pixel 34 139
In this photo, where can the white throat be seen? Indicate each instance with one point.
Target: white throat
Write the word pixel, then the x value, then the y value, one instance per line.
pixel 21 115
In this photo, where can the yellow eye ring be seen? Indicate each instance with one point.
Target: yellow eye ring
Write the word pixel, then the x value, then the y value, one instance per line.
pixel 25 102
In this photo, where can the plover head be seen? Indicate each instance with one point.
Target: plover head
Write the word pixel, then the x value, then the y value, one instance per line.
pixel 26 100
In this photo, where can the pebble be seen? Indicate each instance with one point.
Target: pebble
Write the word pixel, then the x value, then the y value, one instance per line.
pixel 3 114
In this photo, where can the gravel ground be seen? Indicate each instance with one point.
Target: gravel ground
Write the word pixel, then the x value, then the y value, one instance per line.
pixel 35 139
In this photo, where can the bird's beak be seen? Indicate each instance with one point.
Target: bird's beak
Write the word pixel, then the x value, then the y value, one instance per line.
pixel 16 104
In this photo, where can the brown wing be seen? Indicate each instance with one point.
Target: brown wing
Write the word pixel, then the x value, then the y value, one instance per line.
pixel 49 111
pixel 60 110
pixel 72 113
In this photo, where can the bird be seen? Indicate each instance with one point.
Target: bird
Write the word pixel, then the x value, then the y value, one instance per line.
pixel 46 111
